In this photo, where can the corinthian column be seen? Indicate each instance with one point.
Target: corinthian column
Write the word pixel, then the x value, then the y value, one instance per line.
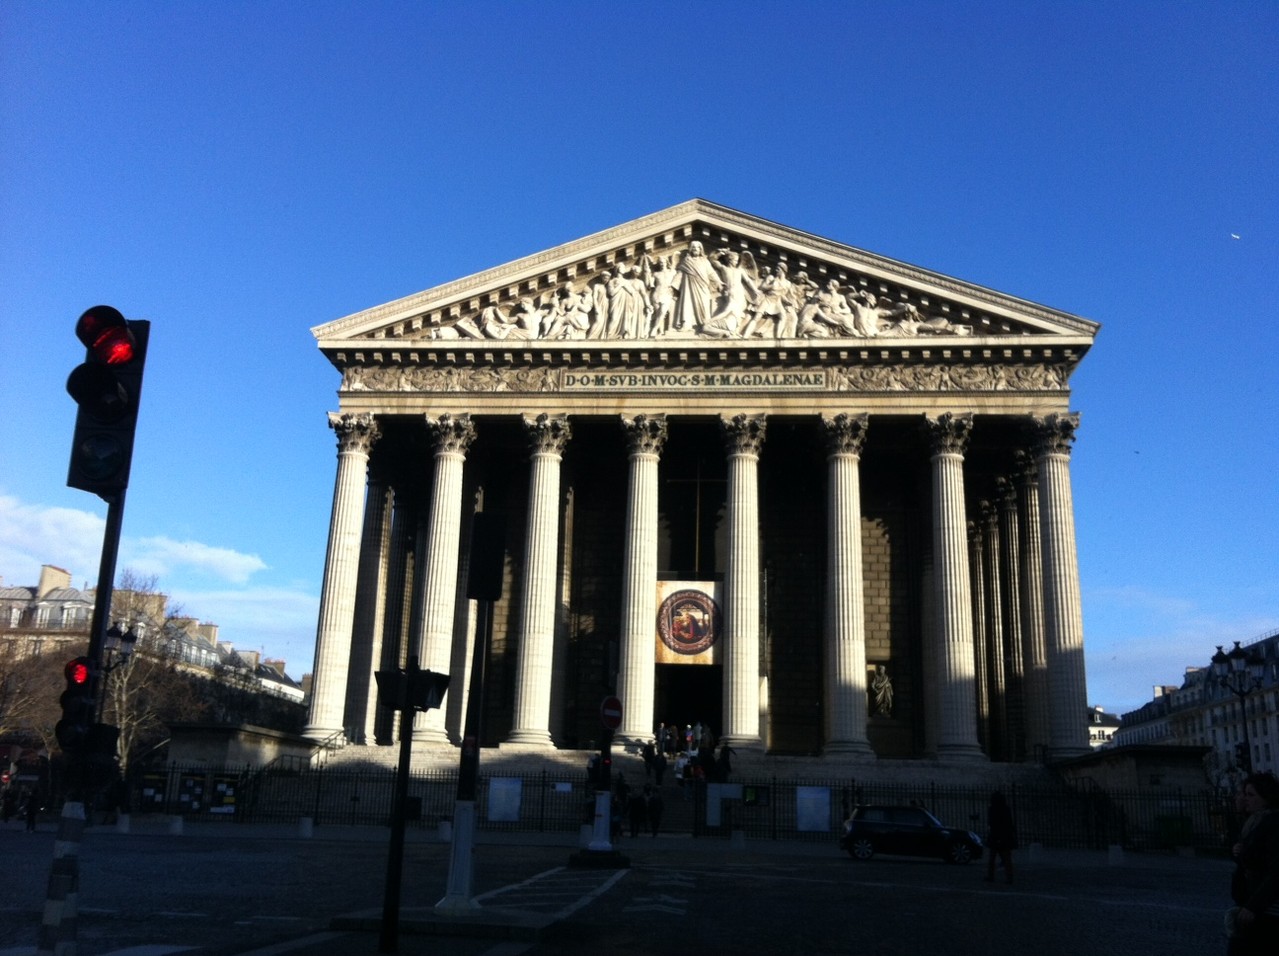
pixel 1034 646
pixel 645 437
pixel 452 437
pixel 845 637
pixel 356 435
pixel 1014 666
pixel 548 436
pixel 743 436
pixel 957 731
pixel 1063 614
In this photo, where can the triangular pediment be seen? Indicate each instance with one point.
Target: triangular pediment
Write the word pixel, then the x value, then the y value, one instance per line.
pixel 702 274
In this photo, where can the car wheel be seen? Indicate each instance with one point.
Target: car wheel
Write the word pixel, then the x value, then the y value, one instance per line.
pixel 959 853
pixel 860 848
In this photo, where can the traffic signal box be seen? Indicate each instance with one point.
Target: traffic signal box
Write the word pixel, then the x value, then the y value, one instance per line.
pixel 108 388
pixel 79 707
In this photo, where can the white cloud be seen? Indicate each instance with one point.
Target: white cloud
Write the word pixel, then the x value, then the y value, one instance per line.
pixel 163 556
pixel 35 535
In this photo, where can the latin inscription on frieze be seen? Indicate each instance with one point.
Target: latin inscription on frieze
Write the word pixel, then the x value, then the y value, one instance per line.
pixel 641 381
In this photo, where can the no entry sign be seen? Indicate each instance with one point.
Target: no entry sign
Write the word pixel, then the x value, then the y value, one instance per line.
pixel 611 713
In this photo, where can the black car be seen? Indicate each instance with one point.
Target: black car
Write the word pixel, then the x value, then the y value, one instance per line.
pixel 909 831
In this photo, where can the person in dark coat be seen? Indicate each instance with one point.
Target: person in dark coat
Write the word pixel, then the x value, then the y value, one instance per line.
pixel 655 808
pixel 1001 837
pixel 638 812
pixel 1253 926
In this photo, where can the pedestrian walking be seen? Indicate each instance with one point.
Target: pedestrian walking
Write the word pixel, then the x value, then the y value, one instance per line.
pixel 655 808
pixel 1252 926
pixel 1001 837
pixel 638 811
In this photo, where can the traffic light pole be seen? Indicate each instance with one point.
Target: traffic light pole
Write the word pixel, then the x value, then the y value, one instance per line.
pixel 106 580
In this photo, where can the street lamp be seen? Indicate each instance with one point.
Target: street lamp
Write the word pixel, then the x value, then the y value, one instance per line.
pixel 1240 672
pixel 120 645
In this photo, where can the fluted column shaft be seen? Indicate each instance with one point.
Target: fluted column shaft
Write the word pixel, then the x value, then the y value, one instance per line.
pixel 356 435
pixel 1063 614
pixel 845 637
pixel 981 673
pixel 996 649
pixel 957 731
pixel 452 437
pixel 645 437
pixel 398 592
pixel 537 614
pixel 1014 668
pixel 370 604
pixel 743 435
pixel 1034 646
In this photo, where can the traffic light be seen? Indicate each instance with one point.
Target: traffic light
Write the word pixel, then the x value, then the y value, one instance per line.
pixel 107 387
pixel 79 707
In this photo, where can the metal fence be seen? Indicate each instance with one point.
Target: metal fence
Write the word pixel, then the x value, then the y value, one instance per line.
pixel 770 808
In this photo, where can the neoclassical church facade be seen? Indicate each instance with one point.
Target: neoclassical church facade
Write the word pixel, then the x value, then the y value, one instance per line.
pixel 814 499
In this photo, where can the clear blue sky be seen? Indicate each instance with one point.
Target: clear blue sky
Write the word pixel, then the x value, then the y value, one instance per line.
pixel 239 172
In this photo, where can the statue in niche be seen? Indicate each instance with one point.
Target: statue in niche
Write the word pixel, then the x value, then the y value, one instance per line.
pixel 697 284
pixel 659 277
pixel 881 687
pixel 738 290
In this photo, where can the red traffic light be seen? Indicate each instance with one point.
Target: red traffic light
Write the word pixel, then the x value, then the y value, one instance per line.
pixel 105 333
pixel 77 671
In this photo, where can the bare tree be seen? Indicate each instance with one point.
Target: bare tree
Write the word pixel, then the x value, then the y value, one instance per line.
pixel 30 685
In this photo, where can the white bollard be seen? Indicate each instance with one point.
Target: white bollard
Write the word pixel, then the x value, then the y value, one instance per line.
pixel 306 827
pixel 122 823
pixel 175 825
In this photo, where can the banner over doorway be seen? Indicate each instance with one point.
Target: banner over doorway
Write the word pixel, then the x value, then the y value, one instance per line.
pixel 689 622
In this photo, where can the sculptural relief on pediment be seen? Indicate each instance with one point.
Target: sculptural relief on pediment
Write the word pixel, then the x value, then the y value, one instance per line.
pixel 696 291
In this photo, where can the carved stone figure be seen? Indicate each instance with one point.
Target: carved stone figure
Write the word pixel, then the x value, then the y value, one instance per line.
pixel 628 304
pixel 825 313
pixel 697 285
pixel 660 279
pixel 881 687
pixel 737 291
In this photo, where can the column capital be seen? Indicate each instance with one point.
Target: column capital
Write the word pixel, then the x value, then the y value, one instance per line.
pixel 547 434
pixel 743 434
pixel 845 434
pixel 1054 434
pixel 451 434
pixel 645 434
pixel 1025 470
pixel 975 533
pixel 356 432
pixel 949 432
pixel 1006 492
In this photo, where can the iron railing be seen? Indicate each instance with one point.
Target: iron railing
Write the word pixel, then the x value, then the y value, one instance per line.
pixel 771 808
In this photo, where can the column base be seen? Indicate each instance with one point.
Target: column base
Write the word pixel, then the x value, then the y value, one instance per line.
pixel 320 734
pixel 431 736
pixel 848 748
pixel 744 743
pixel 961 753
pixel 533 739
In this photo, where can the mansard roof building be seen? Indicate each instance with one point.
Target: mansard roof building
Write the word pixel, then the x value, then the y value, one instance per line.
pixel 815 499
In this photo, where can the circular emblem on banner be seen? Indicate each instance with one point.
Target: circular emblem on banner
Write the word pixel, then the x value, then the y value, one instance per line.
pixel 688 622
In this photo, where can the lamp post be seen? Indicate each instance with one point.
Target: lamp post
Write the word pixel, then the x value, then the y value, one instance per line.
pixel 1240 672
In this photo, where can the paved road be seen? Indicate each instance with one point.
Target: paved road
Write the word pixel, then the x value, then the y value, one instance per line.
pixel 234 890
